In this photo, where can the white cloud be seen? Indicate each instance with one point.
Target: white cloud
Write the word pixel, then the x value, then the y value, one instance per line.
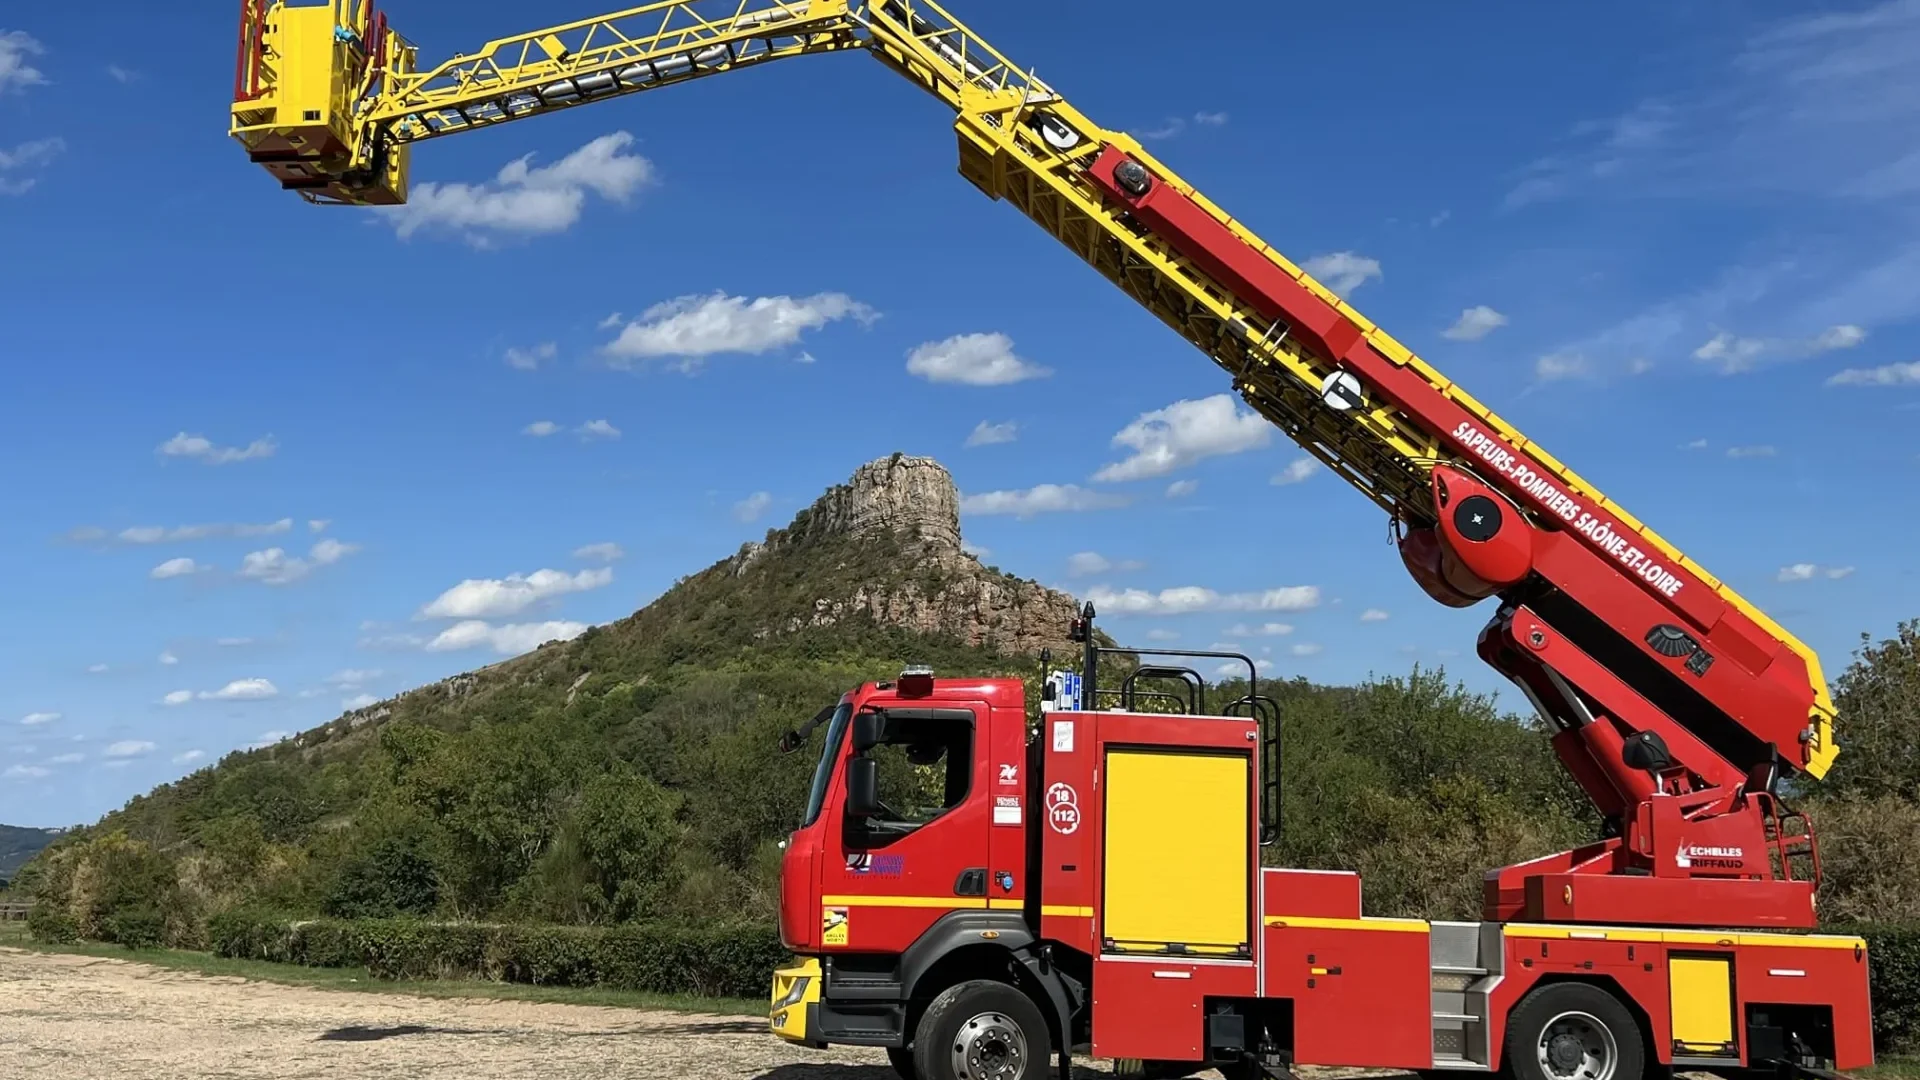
pixel 540 429
pixel 180 567
pixel 1191 598
pixel 1907 374
pixel 1555 366
pixel 1183 433
pixel 1180 489
pixel 17 47
pixel 1307 648
pixel 1040 499
pixel 187 756
pixel 167 658
pixel 1809 571
pixel 121 75
pixel 25 772
pixel 1297 470
pixel 805 357
pixel 178 697
pixel 357 701
pixel 275 567
pixel 610 321
pixel 1697 444
pixel 1088 563
pixel 986 434
pixel 96 669
pixel 1731 354
pixel 1342 271
pixel 200 448
pixel 751 507
pixel 318 525
pixel 1163 635
pixel 268 738
pixel 524 200
pixel 241 690
pixel 35 719
pixel 1173 126
pixel 1210 119
pixel 975 550
pixel 1374 614
pixel 1272 629
pixel 1845 336
pixel 484 598
pixel 160 534
pixel 598 429
pixel 507 640
pixel 530 359
pixel 606 552
pixel 1738 452
pixel 351 678
pixel 1474 324
pixel 128 748
pixel 27 155
pixel 695 327
pixel 66 759
pixel 972 360
pixel 232 642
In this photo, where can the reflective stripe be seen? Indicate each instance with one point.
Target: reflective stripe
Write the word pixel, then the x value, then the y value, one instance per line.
pixel 1304 922
pixel 1684 937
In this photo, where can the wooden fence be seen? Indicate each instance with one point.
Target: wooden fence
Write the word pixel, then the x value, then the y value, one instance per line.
pixel 15 910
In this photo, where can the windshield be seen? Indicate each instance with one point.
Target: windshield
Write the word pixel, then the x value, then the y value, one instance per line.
pixel 823 772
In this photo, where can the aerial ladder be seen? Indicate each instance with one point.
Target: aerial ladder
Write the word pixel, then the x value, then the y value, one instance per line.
pixel 1678 706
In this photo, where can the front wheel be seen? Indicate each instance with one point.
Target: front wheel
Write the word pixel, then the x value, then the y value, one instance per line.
pixel 901 1058
pixel 1573 1031
pixel 982 1030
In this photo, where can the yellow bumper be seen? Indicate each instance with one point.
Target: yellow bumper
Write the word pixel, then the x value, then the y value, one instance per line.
pixel 796 994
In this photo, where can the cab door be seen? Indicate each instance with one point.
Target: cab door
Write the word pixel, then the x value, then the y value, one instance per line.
pixel 886 878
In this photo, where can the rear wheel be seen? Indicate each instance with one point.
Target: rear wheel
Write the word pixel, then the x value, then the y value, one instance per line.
pixel 1573 1031
pixel 982 1030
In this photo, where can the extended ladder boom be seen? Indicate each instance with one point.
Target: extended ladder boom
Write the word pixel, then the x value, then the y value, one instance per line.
pixel 1663 681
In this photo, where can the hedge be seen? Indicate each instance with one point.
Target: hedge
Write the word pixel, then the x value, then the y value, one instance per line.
pixel 1893 961
pixel 708 961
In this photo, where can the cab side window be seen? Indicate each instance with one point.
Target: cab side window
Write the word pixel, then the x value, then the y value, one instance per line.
pixel 925 771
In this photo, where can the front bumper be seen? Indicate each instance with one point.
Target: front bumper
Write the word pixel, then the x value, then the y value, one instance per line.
pixel 795 1004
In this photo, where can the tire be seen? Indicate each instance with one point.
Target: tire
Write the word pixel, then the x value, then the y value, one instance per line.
pixel 901 1058
pixel 1573 1031
pixel 982 1030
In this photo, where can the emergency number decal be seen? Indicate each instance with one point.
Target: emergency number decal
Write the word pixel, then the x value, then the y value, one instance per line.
pixel 1063 809
pixel 833 926
pixel 1006 809
pixel 1063 736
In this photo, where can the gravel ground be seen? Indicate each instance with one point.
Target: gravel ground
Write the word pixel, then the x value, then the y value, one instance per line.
pixel 83 1018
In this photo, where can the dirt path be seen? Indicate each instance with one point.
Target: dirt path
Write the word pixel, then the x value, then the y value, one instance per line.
pixel 85 1018
pixel 82 1018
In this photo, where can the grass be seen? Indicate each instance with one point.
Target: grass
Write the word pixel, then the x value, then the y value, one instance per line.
pixel 14 935
pixel 1893 1067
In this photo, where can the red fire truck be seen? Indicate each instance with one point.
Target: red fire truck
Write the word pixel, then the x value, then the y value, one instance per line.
pixel 1093 880
pixel 1097 883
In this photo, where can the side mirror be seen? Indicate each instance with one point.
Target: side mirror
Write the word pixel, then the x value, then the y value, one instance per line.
pixel 791 742
pixel 863 787
pixel 869 730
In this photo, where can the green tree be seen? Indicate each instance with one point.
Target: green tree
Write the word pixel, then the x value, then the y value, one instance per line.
pixel 615 858
pixel 392 876
pixel 1878 700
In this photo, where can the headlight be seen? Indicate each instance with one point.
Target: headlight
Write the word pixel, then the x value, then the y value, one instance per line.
pixel 794 993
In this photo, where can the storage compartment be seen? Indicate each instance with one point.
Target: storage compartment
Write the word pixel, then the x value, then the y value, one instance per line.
pixel 1178 852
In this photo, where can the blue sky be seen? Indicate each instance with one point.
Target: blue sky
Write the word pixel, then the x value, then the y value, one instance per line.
pixel 264 459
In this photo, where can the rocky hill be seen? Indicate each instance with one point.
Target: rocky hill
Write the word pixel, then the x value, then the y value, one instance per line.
pixel 875 568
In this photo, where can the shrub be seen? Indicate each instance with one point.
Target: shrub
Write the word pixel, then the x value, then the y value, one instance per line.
pixel 708 961
pixel 49 924
pixel 392 877
pixel 137 928
pixel 1893 964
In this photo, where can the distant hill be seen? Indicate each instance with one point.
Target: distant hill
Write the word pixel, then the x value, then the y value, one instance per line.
pixel 18 844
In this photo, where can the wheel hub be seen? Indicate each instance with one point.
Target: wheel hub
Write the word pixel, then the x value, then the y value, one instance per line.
pixel 1577 1046
pixel 989 1047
